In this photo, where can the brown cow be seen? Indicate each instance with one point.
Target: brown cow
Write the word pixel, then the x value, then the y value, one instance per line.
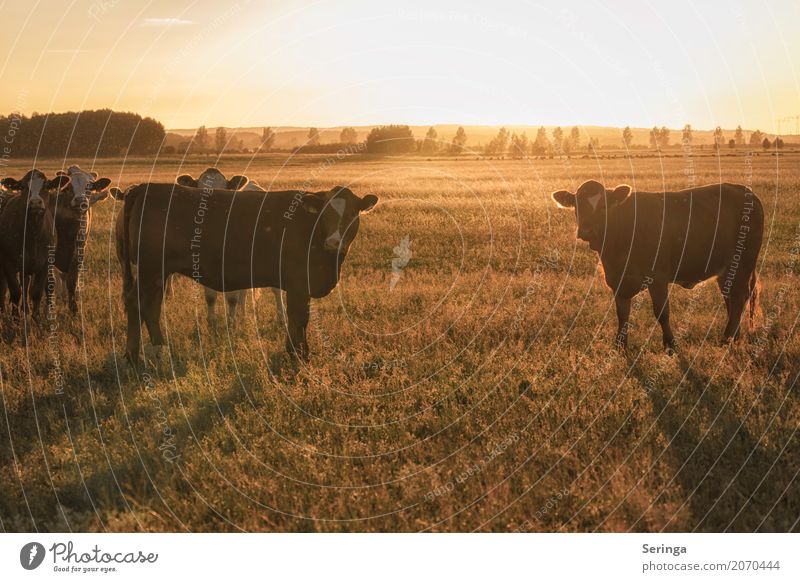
pixel 647 240
pixel 27 236
pixel 292 240
pixel 72 211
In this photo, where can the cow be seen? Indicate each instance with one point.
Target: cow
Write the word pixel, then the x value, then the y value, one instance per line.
pixel 212 179
pixel 647 240
pixel 28 237
pixel 72 212
pixel 293 240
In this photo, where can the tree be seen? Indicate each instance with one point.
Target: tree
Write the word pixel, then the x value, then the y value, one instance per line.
pixel 558 139
pixel 575 138
pixel 654 138
pixel 686 135
pixel 731 143
pixel 756 137
pixel 348 136
pixel 594 145
pixel 719 138
pixel 663 137
pixel 90 133
pixel 200 141
pixel 312 137
pixel 542 143
pixel 519 144
pixel 220 140
pixel 267 138
pixel 627 137
pixel 499 143
pixel 765 144
pixel 459 140
pixel 738 135
pixel 430 145
pixel 779 143
pixel 391 139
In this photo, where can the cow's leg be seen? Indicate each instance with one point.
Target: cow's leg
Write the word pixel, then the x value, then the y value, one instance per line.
pixel 152 298
pixel 725 295
pixel 71 283
pixel 279 307
pixel 232 301
pixel 38 282
pixel 14 290
pixel 211 302
pixel 659 294
pixel 737 300
pixel 3 290
pixel 623 314
pixel 298 311
pixel 134 310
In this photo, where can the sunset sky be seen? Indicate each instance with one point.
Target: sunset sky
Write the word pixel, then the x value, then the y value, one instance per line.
pixel 358 62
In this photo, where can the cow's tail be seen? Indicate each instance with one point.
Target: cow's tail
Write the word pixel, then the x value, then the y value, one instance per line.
pixel 127 268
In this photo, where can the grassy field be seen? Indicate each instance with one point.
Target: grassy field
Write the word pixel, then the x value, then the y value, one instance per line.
pixel 480 392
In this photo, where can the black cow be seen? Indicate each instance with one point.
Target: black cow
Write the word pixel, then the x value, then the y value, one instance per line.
pixel 27 237
pixel 72 211
pixel 647 240
pixel 292 240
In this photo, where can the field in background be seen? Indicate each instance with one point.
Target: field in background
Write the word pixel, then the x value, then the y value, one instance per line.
pixel 479 391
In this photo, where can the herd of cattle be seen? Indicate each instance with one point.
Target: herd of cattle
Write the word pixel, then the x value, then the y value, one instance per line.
pixel 231 235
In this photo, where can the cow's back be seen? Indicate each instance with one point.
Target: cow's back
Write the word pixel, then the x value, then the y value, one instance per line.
pixel 686 236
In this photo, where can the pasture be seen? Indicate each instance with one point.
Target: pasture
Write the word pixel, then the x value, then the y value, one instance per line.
pixel 471 386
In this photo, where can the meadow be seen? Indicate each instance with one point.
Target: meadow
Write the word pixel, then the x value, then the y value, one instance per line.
pixel 473 388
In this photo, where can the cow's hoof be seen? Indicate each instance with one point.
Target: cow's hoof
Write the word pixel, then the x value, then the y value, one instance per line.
pixel 670 347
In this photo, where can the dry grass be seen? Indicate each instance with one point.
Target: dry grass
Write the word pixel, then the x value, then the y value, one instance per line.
pixel 480 393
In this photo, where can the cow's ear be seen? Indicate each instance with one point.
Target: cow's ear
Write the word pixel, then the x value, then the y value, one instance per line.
pixel 11 184
pixel 313 203
pixel 98 197
pixel 367 203
pixel 186 180
pixel 58 183
pixel 117 193
pixel 564 199
pixel 618 194
pixel 100 184
pixel 237 182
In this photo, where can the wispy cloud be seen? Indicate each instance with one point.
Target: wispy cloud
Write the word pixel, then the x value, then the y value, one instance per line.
pixel 68 51
pixel 166 22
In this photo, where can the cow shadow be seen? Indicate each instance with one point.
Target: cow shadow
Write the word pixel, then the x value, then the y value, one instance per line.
pixel 730 479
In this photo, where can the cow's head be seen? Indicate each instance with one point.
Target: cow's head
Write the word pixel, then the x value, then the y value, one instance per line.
pixel 35 187
pixel 338 212
pixel 85 188
pixel 591 203
pixel 212 179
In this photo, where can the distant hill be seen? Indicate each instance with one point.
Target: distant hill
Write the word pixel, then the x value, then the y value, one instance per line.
pixel 478 135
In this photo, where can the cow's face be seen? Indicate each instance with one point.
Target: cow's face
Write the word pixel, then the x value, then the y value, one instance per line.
pixel 592 203
pixel 338 215
pixel 212 179
pixel 85 189
pixel 35 187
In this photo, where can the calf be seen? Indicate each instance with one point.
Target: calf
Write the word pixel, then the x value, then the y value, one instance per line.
pixel 647 240
pixel 27 237
pixel 213 179
pixel 72 212
pixel 293 240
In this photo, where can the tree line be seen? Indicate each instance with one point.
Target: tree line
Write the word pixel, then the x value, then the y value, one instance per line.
pixel 93 133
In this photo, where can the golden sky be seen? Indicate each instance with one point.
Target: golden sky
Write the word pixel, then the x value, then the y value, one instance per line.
pixel 358 62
